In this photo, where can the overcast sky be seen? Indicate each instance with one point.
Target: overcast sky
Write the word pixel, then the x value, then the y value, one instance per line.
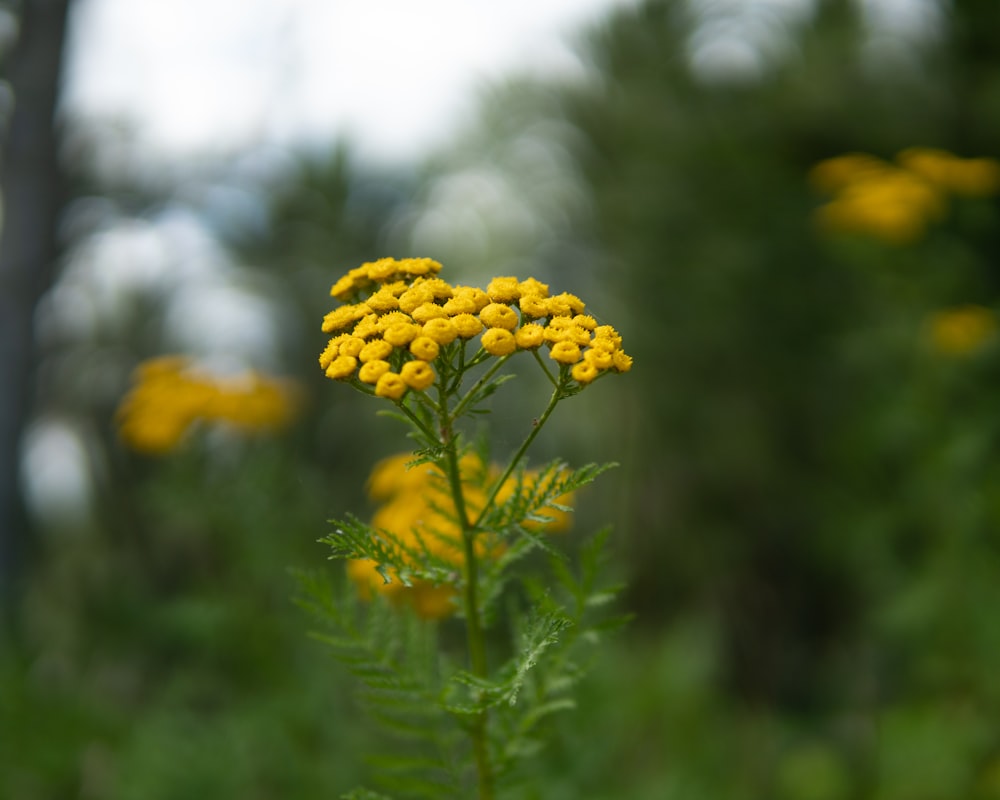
pixel 395 75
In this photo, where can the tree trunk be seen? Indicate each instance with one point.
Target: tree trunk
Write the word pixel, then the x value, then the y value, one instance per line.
pixel 33 196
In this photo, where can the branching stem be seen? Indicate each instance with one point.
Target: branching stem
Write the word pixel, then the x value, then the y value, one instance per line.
pixel 474 629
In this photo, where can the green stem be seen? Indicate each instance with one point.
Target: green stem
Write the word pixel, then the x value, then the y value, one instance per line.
pixel 545 369
pixel 474 628
pixel 401 405
pixel 557 395
pixel 460 406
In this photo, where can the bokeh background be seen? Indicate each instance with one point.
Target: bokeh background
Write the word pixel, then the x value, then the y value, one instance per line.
pixel 807 512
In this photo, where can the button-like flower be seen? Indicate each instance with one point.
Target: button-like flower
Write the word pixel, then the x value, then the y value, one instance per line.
pixel 499 342
pixel 417 375
pixel 424 348
pixel 390 385
pixel 498 315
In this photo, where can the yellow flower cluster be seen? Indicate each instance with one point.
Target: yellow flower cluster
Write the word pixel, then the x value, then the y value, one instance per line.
pixel 897 202
pixel 413 508
pixel 398 316
pixel 962 330
pixel 169 396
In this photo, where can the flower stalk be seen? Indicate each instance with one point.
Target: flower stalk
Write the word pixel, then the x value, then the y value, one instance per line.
pixel 400 334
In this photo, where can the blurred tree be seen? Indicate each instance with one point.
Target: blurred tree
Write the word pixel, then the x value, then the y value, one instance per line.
pixel 33 196
pixel 747 329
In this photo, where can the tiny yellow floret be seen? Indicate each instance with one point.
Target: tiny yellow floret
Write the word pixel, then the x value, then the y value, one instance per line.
pixel 442 331
pixel 417 375
pixel 499 342
pixel 342 367
pixel 352 346
pixel 622 361
pixel 529 336
pixel 390 385
pixel 467 325
pixel 534 306
pixel 414 297
pixel 498 315
pixel 565 352
pixel 584 372
pixel 371 371
pixel 375 350
pixel 504 290
pixel 424 348
pixel 425 312
pixel 401 333
pixel 533 288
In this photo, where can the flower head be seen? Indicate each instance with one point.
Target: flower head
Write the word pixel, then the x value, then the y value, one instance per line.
pixel 398 312
pixel 961 331
pixel 897 202
pixel 171 395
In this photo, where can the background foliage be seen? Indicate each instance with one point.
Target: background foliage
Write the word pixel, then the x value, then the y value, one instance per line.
pixel 807 515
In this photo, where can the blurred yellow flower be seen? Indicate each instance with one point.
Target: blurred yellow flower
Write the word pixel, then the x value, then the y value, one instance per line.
pixel 897 202
pixel 961 330
pixel 417 509
pixel 170 396
pixel 971 177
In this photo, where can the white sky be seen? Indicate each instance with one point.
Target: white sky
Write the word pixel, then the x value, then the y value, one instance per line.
pixel 195 76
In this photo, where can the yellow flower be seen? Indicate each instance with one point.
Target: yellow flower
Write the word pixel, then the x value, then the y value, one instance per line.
pixel 424 348
pixel 342 367
pixel 419 266
pixel 466 325
pixel 460 304
pixel 534 306
pixel 961 331
pixel 504 290
pixel 598 356
pixel 497 315
pixel 425 312
pixel 382 270
pixel 352 346
pixel 395 304
pixel 375 350
pixel 390 385
pixel 839 172
pixel 893 205
pixel 371 371
pixel 415 296
pixel 367 327
pixel 332 350
pixel 565 352
pixel 440 289
pixel 391 318
pixel 499 342
pixel 170 396
pixel 417 375
pixel 401 334
pixel 383 300
pixel 585 372
pixel 342 317
pixel 622 361
pixel 442 331
pixel 533 288
pixel 608 334
pixel 972 177
pixel 565 304
pixel 472 298
pixel 415 508
pixel 529 336
pixel 897 203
